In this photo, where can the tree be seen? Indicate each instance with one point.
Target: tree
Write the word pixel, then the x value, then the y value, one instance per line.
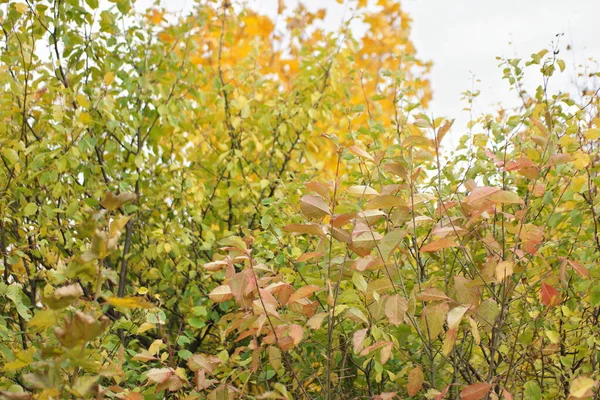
pixel 153 170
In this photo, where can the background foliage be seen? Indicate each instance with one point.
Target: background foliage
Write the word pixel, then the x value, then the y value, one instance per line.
pixel 221 206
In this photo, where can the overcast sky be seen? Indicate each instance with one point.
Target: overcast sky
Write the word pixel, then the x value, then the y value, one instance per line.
pixel 463 38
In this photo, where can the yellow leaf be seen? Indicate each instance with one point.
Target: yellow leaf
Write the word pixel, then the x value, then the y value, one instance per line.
pixel 22 359
pixel 129 302
pixel 146 326
pixel 109 78
pixel 21 8
pixel 592 134
pixel 85 118
pixel 42 320
pixel 155 346
pixel 581 387
pixel 581 161
pixel 504 269
pixel 82 101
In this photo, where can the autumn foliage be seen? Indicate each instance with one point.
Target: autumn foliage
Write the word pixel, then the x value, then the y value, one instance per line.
pixel 220 205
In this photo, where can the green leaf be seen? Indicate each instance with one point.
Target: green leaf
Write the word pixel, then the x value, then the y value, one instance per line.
pixel 11 155
pixel 30 209
pixel 197 322
pixel 532 391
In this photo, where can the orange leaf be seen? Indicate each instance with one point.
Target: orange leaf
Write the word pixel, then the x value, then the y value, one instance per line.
pixel 309 256
pixel 476 391
pixel 304 291
pixel 439 244
pixel 415 381
pixel 296 333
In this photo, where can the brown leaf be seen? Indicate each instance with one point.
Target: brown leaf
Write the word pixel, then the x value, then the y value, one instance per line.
pixel 64 296
pixel 220 294
pixel 386 353
pixel 395 309
pixel 359 339
pixel 144 356
pixel 203 362
pixel 314 207
pixel 476 391
pixel 357 151
pixel 579 268
pixel 159 375
pixel 443 130
pixel 385 201
pixel 385 396
pixel 432 294
pixel 112 202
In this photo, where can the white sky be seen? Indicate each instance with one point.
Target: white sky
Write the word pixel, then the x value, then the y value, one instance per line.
pixel 463 38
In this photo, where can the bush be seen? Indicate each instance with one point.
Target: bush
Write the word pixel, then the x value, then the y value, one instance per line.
pixel 153 171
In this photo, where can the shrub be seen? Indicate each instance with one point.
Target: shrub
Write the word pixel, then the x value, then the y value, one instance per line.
pixel 153 171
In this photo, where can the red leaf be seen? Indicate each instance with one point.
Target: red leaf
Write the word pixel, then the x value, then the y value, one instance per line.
pixel 549 295
pixel 309 256
pixel 443 393
pixel 476 391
